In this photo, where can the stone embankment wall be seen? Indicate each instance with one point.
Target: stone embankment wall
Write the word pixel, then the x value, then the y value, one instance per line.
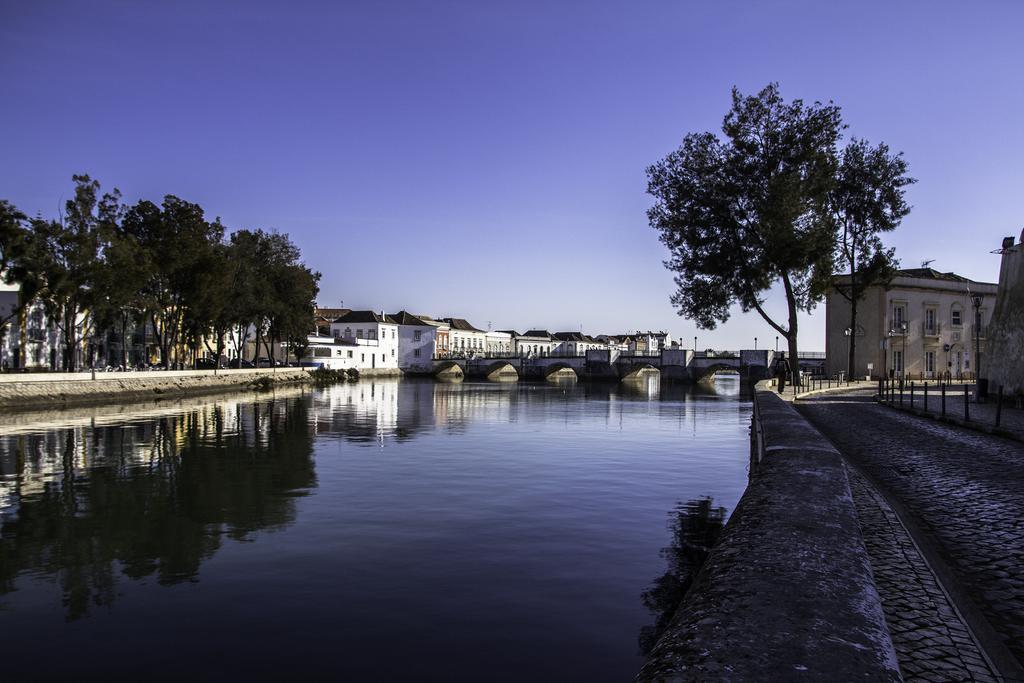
pixel 1006 330
pixel 788 593
pixel 48 389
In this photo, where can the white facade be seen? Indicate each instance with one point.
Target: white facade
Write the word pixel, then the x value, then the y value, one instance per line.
pixel 534 344
pixel 417 342
pixel 373 336
pixel 576 344
pixel 499 343
pixel 465 339
pixel 923 325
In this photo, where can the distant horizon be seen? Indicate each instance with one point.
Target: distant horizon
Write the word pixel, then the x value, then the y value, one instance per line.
pixel 490 160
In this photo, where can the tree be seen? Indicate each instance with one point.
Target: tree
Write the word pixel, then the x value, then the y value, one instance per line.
pixel 121 277
pixel 177 239
pixel 868 199
pixel 62 255
pixel 749 211
pixel 13 242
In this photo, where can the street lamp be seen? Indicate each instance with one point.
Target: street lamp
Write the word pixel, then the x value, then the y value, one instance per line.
pixel 776 343
pixel 976 300
pixel 755 343
pixel 695 345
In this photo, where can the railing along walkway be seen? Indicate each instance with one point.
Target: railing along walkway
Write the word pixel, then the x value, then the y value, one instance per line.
pixel 956 403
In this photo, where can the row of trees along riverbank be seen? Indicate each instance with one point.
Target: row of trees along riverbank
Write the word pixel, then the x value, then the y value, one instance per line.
pixel 775 202
pixel 103 268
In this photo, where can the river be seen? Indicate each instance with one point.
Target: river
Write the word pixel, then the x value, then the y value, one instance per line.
pixel 380 530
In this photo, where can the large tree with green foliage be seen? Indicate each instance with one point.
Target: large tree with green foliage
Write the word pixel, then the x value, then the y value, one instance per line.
pixel 748 211
pixel 868 199
pixel 62 257
pixel 13 242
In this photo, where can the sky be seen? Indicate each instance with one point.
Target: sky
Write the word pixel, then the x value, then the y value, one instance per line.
pixel 486 160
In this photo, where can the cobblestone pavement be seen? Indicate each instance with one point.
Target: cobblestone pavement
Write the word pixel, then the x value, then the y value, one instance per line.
pixel 963 490
pixel 931 641
pixel 1011 419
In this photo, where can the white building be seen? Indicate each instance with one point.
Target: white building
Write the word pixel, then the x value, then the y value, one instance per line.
pixel 923 324
pixel 534 343
pixel 30 339
pixel 374 336
pixel 576 344
pixel 466 340
pixel 417 340
pixel 499 343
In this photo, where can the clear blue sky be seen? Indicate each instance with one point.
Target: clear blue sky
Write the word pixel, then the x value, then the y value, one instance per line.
pixel 486 160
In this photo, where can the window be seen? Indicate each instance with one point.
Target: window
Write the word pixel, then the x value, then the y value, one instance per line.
pixel 929 321
pixel 392 353
pixel 956 316
pixel 349 354
pixel 362 358
pixel 929 362
pixel 359 334
pixel 417 335
pixel 897 362
pixel 899 314
pixel 416 353
pixel 339 352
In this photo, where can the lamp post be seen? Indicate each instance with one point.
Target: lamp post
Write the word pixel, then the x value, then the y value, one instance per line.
pixel 695 345
pixel 903 352
pixel 980 390
pixel 755 343
pixel 776 343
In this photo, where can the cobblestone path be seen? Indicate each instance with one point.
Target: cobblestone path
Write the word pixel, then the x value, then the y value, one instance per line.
pixel 964 490
pixel 931 641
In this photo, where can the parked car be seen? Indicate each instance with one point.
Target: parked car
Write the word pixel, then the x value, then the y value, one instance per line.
pixel 240 363
pixel 205 364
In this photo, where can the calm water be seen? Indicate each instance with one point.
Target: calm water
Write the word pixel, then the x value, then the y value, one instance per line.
pixel 398 530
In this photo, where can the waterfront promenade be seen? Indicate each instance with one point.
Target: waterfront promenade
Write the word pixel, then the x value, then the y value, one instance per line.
pixel 941 510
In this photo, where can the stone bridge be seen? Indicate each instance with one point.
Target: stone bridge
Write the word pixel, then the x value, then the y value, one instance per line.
pixel 680 364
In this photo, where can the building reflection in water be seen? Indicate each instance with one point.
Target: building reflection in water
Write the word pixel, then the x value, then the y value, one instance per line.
pixel 695 526
pixel 373 412
pixel 147 497
pixel 152 491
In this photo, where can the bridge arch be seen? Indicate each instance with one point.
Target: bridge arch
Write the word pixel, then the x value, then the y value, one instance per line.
pixel 501 371
pixel 449 370
pixel 706 374
pixel 640 371
pixel 557 371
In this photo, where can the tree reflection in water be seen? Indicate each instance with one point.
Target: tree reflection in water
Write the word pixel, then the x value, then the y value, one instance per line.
pixel 150 497
pixel 696 527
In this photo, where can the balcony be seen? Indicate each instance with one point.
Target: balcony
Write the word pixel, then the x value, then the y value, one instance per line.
pixel 931 329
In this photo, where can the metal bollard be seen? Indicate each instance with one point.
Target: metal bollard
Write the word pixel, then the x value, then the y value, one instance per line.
pixel 911 394
pixel 926 397
pixel 999 406
pixel 967 403
pixel 943 386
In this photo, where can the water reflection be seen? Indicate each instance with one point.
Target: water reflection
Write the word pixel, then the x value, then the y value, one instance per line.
pixel 695 526
pixel 460 524
pixel 150 497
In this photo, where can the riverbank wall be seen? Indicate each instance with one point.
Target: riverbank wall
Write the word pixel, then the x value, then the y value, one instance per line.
pixel 18 391
pixel 788 593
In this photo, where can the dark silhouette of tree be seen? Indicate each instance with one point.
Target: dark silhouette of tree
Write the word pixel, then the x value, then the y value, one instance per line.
pixel 199 484
pixel 742 213
pixel 868 199
pixel 696 527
